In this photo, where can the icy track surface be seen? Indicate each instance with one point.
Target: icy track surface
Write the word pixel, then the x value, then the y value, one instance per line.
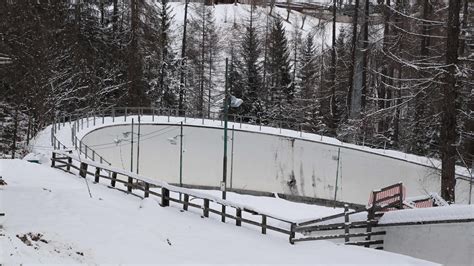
pixel 59 223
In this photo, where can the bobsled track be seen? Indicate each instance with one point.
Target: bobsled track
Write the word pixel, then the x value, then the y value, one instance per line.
pixel 261 159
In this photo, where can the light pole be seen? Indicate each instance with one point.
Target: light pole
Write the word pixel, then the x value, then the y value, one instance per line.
pixel 131 149
pixel 181 155
pixel 131 133
pixel 173 142
pixel 234 102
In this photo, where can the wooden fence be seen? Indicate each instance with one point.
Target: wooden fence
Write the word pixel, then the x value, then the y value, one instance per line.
pixel 382 200
pixel 66 162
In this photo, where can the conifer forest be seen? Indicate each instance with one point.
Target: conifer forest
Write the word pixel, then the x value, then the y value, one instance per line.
pixel 389 74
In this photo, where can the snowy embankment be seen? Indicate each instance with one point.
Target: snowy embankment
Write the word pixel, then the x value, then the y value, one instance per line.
pixel 50 218
pixel 452 212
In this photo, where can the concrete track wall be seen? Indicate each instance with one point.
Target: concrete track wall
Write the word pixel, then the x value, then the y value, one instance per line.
pixel 262 162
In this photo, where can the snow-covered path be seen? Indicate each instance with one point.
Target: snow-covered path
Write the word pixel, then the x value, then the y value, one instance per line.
pixel 112 227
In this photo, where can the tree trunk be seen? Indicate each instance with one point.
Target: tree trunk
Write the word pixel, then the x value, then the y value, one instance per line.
pixel 355 23
pixel 183 62
pixel 333 108
pixel 115 16
pixel 386 78
pixel 365 48
pixel 448 116
pixel 15 133
pixel 203 44
pixel 465 16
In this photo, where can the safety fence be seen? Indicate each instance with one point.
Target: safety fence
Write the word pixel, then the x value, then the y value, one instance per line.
pixel 181 196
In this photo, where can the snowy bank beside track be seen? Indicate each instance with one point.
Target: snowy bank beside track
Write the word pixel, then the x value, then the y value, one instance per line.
pixel 112 227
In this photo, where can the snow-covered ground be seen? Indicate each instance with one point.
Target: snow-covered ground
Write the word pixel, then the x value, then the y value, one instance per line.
pixel 50 218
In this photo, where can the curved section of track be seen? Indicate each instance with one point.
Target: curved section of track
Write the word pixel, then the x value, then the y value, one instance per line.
pixel 260 159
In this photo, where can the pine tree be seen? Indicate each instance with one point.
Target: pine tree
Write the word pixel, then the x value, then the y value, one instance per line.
pixel 307 80
pixel 202 51
pixel 168 66
pixel 250 52
pixel 280 88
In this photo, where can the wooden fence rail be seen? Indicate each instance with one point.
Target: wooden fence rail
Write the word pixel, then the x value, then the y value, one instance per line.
pixel 66 161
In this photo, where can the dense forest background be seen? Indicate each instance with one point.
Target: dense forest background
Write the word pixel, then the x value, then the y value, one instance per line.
pixel 399 80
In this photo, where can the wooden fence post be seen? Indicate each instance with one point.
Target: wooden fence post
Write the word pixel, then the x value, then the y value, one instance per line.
pixel 223 214
pixel 346 223
pixel 401 196
pixel 238 215
pixel 83 170
pixel 186 200
pixel 264 224
pixel 206 208
pixel 292 233
pixel 113 180
pixel 165 197
pixel 97 175
pixel 69 163
pixel 147 190
pixel 370 217
pixel 129 184
pixel 53 159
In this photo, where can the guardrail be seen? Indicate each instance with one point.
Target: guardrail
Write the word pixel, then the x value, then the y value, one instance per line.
pixel 81 147
pixel 92 117
pixel 182 196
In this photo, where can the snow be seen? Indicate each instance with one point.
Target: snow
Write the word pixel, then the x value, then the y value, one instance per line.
pixel 113 227
pixel 227 14
pixel 274 206
pixel 451 212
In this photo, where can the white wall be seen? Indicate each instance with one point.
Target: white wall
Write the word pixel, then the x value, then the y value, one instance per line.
pixel 263 162
pixel 448 244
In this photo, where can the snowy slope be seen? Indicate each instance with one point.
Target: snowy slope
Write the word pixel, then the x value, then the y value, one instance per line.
pixel 227 14
pixel 59 223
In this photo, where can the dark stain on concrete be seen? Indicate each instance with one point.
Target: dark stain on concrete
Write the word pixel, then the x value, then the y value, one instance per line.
pixel 302 181
pixel 292 184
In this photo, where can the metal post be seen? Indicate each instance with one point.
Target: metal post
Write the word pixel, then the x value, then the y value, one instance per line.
pixel 131 149
pixel 337 175
pixel 181 156
pixel 232 158
pixel 470 183
pixel 224 162
pixel 138 144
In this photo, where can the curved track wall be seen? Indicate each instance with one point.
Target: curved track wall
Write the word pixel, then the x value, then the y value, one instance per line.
pixel 262 162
